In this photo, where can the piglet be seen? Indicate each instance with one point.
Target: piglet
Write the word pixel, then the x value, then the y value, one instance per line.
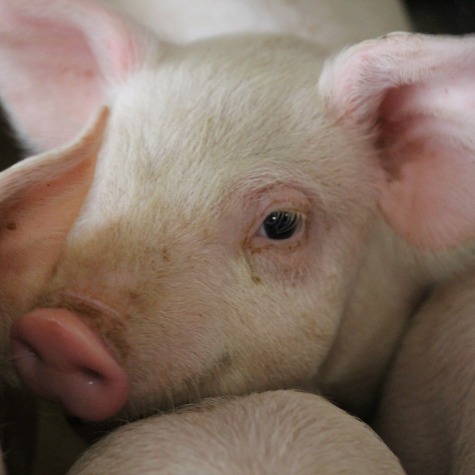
pixel 271 433
pixel 242 215
pixel 427 411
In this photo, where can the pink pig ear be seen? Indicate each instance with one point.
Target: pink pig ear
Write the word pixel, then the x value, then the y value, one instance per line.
pixel 40 199
pixel 58 62
pixel 414 95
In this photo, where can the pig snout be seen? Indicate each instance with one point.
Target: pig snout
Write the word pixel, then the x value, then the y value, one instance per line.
pixel 61 359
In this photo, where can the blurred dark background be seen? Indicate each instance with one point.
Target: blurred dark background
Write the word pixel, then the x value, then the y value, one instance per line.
pixel 428 16
pixel 10 151
pixel 442 16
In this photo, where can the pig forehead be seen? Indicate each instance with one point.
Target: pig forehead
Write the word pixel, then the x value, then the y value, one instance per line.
pixel 215 115
pixel 198 158
pixel 222 96
pixel 202 123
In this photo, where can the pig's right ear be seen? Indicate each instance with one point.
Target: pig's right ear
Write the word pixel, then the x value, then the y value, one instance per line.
pixel 40 199
pixel 413 97
pixel 59 61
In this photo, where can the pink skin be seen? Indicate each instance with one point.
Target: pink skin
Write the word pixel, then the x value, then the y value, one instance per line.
pixel 377 136
pixel 60 358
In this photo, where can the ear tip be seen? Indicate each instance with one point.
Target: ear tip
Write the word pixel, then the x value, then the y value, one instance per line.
pixel 357 73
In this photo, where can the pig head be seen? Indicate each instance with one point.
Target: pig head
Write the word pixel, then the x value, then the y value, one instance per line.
pixel 229 221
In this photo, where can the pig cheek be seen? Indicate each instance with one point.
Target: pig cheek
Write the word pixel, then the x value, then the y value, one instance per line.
pixel 170 358
pixel 304 290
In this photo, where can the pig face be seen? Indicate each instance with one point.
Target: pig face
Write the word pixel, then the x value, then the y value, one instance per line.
pixel 212 246
pixel 177 247
pixel 170 259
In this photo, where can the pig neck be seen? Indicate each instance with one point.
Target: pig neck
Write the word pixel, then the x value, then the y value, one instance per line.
pixel 391 282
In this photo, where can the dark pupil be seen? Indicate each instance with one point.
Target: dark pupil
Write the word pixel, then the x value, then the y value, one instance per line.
pixel 281 224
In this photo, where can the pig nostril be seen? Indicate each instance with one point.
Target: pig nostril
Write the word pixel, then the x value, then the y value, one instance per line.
pixel 34 352
pixel 28 351
pixel 92 376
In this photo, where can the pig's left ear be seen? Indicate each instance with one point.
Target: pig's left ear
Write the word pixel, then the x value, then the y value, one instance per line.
pixel 60 61
pixel 40 199
pixel 414 96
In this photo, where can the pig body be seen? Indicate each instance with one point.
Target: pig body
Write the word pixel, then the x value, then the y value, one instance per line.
pixel 426 414
pixel 243 215
pixel 280 432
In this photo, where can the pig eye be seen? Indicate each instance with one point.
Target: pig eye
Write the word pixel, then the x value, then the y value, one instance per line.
pixel 280 225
